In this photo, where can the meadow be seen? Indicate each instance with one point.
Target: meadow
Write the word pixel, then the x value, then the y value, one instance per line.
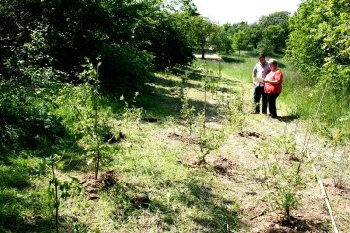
pixel 184 154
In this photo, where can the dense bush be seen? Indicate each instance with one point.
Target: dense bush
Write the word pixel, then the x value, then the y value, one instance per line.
pixel 318 44
pixel 124 68
pixel 165 40
pixel 318 47
pixel 25 120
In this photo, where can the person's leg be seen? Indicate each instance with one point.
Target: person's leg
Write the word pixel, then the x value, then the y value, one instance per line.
pixel 257 97
pixel 271 99
pixel 264 102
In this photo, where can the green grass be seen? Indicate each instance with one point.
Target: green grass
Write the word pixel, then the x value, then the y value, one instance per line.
pixel 183 198
pixel 301 99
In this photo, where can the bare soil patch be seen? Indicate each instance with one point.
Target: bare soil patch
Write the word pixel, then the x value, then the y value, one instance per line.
pixel 92 186
pixel 294 225
pixel 150 119
pixel 189 139
pixel 109 137
pixel 225 166
pixel 250 134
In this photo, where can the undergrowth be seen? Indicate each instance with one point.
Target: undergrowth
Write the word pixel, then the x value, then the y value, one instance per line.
pixel 147 157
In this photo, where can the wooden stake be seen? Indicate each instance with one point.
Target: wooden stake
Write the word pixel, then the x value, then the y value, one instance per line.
pixel 325 196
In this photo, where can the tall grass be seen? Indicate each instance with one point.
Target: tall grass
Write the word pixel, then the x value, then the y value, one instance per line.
pixel 301 96
pixel 151 159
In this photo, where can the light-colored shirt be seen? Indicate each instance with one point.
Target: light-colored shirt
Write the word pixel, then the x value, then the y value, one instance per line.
pixel 260 71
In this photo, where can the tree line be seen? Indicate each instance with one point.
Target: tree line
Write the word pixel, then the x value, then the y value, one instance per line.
pixel 47 42
pixel 129 37
pixel 319 43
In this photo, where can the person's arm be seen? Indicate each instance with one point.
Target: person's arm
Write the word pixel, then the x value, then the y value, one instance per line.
pixel 277 78
pixel 267 71
pixel 254 74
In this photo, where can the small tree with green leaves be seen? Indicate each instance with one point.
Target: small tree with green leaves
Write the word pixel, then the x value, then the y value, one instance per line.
pixel 184 84
pixel 284 185
pixel 231 106
pixel 240 41
pixel 209 140
pixel 90 73
pixel 57 190
pixel 282 181
pixel 288 143
pixel 188 113
pixel 131 113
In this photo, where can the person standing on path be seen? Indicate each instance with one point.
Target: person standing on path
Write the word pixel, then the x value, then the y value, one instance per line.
pixel 273 86
pixel 260 70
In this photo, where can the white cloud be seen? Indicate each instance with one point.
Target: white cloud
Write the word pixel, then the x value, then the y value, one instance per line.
pixel 231 11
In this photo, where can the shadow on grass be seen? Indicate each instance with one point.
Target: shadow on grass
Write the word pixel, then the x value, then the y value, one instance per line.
pixel 20 210
pixel 35 224
pixel 14 176
pixel 161 98
pixel 208 212
pixel 174 83
pixel 29 128
pixel 20 224
pixel 31 138
pixel 196 75
pixel 190 72
pixel 162 102
pixel 304 225
pixel 212 59
pixel 288 118
pixel 213 213
pixel 230 82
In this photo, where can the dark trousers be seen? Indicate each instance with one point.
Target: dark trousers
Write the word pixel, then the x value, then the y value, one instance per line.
pixel 271 101
pixel 260 94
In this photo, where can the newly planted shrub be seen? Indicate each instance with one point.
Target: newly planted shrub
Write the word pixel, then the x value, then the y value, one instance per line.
pixel 288 143
pixel 188 113
pixel 131 114
pixel 80 108
pixel 231 106
pixel 96 129
pixel 57 190
pixel 284 188
pixel 282 181
pixel 209 140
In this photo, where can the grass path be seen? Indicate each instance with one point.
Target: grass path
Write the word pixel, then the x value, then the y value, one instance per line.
pixel 260 130
pixel 229 194
pixel 158 185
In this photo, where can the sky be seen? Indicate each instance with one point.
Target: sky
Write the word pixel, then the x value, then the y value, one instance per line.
pixel 234 11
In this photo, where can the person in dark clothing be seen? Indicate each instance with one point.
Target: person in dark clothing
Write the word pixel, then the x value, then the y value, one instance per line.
pixel 260 70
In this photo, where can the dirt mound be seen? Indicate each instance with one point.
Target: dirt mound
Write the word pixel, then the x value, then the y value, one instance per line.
pixel 92 186
pixel 294 225
pixel 111 138
pixel 189 139
pixel 141 200
pixel 249 134
pixel 225 166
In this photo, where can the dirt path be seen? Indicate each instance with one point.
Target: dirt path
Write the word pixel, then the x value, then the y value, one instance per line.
pixel 244 183
pixel 212 57
pixel 239 167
